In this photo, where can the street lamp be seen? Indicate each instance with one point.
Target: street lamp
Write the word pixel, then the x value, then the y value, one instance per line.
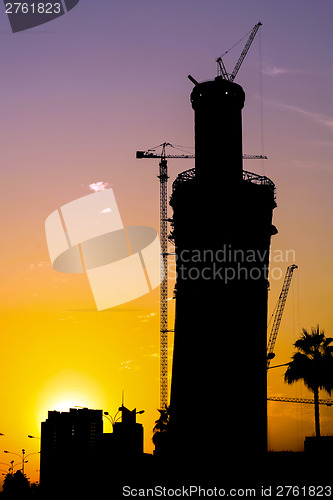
pixel 35 437
pixel 113 420
pixel 22 457
pixel 10 465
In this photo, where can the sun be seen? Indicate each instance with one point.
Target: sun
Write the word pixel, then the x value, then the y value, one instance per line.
pixel 69 389
pixel 64 405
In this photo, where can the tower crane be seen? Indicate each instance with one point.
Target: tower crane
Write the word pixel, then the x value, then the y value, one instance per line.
pixel 163 177
pixel 279 311
pixel 273 336
pixel 222 70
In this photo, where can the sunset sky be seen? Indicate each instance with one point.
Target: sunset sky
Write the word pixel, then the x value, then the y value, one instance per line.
pixel 79 96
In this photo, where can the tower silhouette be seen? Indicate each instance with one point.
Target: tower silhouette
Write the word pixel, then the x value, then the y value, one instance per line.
pixel 222 227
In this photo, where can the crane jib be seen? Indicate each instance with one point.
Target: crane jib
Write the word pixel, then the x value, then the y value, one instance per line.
pixel 222 70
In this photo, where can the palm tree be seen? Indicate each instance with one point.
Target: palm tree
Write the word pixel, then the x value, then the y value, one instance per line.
pixel 312 363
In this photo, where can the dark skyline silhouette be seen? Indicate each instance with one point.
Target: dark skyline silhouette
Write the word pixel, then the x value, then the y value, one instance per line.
pixel 78 459
pixel 33 308
pixel 222 227
pixel 75 450
pixel 80 95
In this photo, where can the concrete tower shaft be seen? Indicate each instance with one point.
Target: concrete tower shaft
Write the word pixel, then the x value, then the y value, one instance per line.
pixel 222 227
pixel 218 108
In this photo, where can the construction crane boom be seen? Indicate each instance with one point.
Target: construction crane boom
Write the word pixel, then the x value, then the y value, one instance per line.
pixel 149 154
pixel 245 51
pixel 222 70
pixel 254 157
pixel 327 402
pixel 279 311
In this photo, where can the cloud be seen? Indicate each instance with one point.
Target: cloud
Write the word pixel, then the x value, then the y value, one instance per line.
pixel 279 70
pixel 323 120
pixel 145 317
pixel 99 186
pixel 275 71
pixel 321 143
pixel 39 265
pixel 317 117
pixel 127 365
pixel 309 165
pixel 150 351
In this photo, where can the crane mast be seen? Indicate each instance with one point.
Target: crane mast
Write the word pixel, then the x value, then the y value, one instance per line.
pixel 279 312
pixel 163 177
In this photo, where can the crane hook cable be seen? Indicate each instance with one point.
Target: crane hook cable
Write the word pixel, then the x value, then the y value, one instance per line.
pixel 239 41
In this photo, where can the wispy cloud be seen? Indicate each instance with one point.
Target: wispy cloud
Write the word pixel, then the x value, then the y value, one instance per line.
pixel 39 265
pixel 272 70
pixel 308 165
pixel 150 351
pixel 99 186
pixel 126 365
pixel 321 143
pixel 320 118
pixel 145 317
pixel 317 117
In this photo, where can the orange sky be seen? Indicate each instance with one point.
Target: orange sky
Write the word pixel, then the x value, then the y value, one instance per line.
pixel 78 99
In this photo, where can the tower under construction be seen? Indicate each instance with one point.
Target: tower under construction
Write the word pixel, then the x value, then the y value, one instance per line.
pixel 222 228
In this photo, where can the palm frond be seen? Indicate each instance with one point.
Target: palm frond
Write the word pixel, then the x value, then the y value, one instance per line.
pixel 313 361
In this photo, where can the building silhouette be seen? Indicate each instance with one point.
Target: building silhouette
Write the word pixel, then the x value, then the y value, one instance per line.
pixel 127 436
pixel 71 443
pixel 76 455
pixel 222 228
